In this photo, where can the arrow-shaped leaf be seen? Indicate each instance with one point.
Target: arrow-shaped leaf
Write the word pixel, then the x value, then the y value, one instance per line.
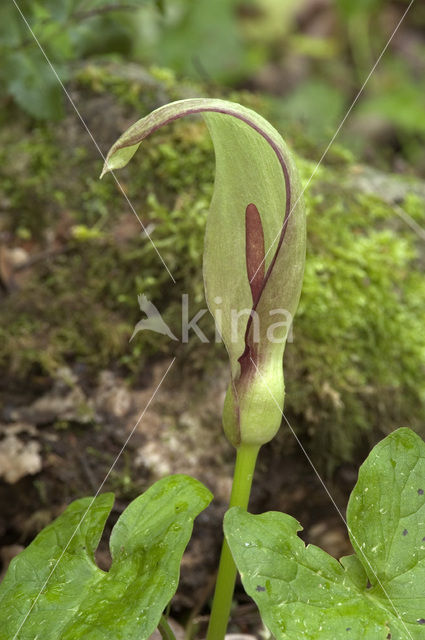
pixel 379 592
pixel 79 601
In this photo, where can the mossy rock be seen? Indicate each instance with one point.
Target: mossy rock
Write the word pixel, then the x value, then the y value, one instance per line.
pixel 355 366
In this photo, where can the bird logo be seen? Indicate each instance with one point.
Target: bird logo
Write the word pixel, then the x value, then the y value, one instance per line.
pixel 153 320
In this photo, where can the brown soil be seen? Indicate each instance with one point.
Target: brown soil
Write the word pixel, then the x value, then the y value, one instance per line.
pixel 71 434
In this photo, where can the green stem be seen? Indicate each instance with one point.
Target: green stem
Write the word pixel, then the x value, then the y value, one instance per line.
pixel 246 458
pixel 165 630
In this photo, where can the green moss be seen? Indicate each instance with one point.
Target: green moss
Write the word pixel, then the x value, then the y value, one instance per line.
pixel 82 305
pixel 356 361
pixel 132 85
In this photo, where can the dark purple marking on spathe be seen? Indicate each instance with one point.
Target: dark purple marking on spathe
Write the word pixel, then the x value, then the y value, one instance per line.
pixel 260 588
pixel 421 621
pixel 420 492
pixel 405 532
pixel 254 251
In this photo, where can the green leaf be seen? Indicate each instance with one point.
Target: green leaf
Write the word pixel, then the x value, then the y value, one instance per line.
pixel 254 172
pixel 302 592
pixel 33 85
pixel 386 518
pixel 78 600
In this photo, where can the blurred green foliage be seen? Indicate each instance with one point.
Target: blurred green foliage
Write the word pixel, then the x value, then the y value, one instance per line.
pixel 69 31
pixel 356 363
pixel 311 57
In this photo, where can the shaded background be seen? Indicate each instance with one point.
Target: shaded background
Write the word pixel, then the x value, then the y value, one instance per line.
pixel 73 256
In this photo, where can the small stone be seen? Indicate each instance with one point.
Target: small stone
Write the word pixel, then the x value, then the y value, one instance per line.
pixel 17 256
pixel 18 458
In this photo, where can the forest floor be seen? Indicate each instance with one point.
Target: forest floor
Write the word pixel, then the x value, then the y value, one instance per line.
pixel 64 443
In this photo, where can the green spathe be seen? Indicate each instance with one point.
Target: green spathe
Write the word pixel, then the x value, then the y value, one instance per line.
pixel 254 168
pixel 77 600
pixel 377 593
pixel 258 413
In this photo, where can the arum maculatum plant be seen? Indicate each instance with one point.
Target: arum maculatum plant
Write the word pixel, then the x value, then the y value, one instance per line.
pixel 253 269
